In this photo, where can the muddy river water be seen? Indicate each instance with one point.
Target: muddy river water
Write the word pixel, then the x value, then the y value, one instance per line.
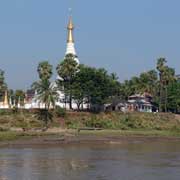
pixel 127 161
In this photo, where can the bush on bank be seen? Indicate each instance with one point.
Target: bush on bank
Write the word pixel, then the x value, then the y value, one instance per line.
pixel 125 121
pixel 73 120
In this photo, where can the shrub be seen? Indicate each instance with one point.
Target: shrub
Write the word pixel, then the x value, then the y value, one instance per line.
pixel 98 122
pixel 2 112
pixel 73 124
pixel 45 116
pixel 3 129
pixel 14 110
pixel 60 112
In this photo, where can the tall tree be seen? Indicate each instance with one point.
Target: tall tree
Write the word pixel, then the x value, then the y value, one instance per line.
pixel 166 75
pixel 94 86
pixel 3 85
pixel 46 92
pixel 44 70
pixel 161 68
pixel 19 96
pixel 148 82
pixel 67 70
pixel 174 97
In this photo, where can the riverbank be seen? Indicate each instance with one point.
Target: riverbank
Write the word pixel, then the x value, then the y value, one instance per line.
pixel 23 127
pixel 28 120
pixel 59 137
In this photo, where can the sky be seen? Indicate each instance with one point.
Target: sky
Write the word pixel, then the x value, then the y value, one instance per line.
pixel 122 36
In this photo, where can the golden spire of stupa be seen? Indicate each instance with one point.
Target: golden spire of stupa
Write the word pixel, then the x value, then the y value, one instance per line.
pixel 70 28
pixel 6 98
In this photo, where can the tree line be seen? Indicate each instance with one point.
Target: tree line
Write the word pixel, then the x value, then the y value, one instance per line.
pixel 95 87
pixel 82 84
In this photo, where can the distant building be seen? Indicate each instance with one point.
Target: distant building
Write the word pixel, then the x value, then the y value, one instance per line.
pixel 137 102
pixel 5 104
pixel 141 103
pixel 31 100
pixel 178 77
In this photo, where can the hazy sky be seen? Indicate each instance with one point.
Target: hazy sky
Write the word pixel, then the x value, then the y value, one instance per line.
pixel 123 36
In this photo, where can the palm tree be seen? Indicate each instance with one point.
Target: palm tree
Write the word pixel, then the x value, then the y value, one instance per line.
pixel 161 68
pixel 168 76
pixel 66 71
pixel 46 91
pixel 3 85
pixel 46 94
pixel 44 70
pixel 148 82
pixel 135 84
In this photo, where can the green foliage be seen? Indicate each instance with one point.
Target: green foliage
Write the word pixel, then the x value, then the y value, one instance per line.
pixel 19 96
pixel 14 110
pixel 3 112
pixel 174 97
pixel 100 123
pixel 67 70
pixel 3 85
pixel 166 76
pixel 44 70
pixel 46 93
pixel 146 82
pixel 60 112
pixel 73 124
pixel 95 86
pixel 4 129
pixel 157 83
pixel 131 121
pixel 44 115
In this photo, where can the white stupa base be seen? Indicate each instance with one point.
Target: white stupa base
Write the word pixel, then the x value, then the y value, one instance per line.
pixel 71 50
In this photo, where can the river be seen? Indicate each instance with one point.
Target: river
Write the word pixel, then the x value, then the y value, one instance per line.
pixel 127 161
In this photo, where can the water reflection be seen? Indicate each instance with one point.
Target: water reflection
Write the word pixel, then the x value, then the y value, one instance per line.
pixel 102 162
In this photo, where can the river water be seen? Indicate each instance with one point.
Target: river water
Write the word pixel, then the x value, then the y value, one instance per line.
pixel 133 161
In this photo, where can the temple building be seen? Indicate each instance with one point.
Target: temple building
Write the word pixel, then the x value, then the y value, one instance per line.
pixel 70 49
pixel 5 104
pixel 31 101
pixel 70 40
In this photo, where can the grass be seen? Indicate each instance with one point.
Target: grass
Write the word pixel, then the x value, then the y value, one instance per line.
pixel 115 124
pixel 143 133
pixel 7 136
pixel 12 135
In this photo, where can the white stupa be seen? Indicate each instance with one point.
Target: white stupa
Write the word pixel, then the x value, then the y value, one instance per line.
pixel 70 40
pixel 70 49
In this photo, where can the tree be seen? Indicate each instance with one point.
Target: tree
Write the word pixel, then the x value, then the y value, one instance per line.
pixel 174 97
pixel 11 96
pixel 67 71
pixel 46 92
pixel 148 82
pixel 19 96
pixel 78 95
pixel 94 86
pixel 44 70
pixel 160 67
pixel 126 89
pixel 3 85
pixel 166 75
